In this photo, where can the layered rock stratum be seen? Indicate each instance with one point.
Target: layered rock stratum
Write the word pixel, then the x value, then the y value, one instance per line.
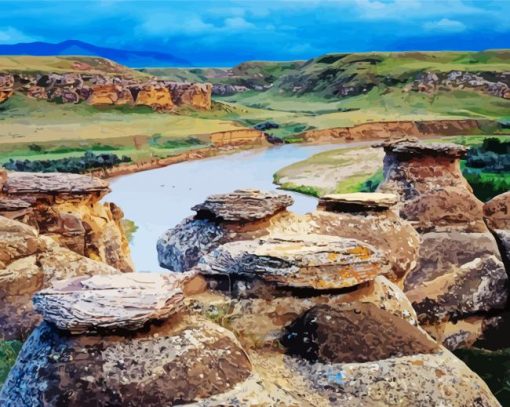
pixel 103 90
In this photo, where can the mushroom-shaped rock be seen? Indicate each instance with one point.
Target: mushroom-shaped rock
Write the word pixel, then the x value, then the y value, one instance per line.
pixel 313 261
pixel 409 147
pixel 497 216
pixel 355 332
pixel 455 242
pixel 357 201
pixel 243 205
pixel 180 361
pixel 128 301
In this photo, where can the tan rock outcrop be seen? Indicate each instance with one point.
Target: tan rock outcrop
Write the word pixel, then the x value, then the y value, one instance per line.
pixel 197 95
pixel 459 272
pixel 110 94
pixel 241 137
pixel 395 130
pixel 30 262
pixel 6 87
pixel 67 208
pixel 156 96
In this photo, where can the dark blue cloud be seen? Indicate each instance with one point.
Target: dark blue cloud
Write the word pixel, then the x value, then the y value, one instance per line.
pixel 226 32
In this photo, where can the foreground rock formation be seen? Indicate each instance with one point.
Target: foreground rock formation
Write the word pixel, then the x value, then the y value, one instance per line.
pixel 67 208
pixel 30 262
pixel 103 90
pixel 257 327
pixel 459 280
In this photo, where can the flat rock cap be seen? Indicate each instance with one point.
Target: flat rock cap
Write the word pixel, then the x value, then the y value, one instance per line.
pixel 53 183
pixel 243 205
pixel 313 261
pixel 357 201
pixel 414 147
pixel 111 302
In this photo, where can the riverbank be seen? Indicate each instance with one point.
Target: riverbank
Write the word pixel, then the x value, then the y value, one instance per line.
pixel 227 142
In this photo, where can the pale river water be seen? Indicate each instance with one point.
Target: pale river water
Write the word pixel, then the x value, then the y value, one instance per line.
pixel 159 199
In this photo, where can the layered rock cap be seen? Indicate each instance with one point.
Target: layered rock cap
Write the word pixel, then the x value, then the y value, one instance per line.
pixel 99 303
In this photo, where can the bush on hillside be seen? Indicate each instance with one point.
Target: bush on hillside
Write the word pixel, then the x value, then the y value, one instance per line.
pixel 77 165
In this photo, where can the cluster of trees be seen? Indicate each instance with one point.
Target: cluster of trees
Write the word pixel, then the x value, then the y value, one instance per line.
pixel 493 155
pixel 87 162
pixel 487 168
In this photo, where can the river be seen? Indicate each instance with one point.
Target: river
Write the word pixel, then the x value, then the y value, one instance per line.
pixel 159 199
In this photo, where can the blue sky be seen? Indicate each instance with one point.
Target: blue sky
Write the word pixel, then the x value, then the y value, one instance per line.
pixel 221 33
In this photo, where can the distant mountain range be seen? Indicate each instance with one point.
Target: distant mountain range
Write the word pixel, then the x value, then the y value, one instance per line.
pixel 134 59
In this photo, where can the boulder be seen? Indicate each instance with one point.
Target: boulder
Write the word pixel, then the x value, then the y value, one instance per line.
pixel 420 380
pixel 313 261
pixel 258 319
pixel 177 362
pixel 242 205
pixel 353 332
pixel 459 262
pixel 110 302
pixel 497 216
pixel 68 208
pixel 30 262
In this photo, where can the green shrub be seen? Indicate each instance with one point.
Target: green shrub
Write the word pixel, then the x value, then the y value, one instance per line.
pixel 371 184
pixel 493 367
pixel 8 353
pixel 72 164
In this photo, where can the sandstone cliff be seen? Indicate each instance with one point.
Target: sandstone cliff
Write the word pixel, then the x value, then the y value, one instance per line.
pixel 396 129
pixel 101 90
pixel 68 208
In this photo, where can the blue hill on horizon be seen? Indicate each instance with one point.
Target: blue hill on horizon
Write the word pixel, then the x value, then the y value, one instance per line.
pixel 130 58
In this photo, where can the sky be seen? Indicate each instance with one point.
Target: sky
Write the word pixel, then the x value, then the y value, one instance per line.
pixel 223 33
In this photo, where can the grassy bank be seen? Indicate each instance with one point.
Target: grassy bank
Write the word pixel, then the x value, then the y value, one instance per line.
pixel 359 170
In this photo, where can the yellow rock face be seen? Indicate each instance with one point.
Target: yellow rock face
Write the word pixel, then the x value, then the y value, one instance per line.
pixel 157 97
pixel 110 94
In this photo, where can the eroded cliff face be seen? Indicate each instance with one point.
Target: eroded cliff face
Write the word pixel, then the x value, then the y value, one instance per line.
pixel 460 280
pixel 396 130
pixel 68 208
pixel 100 90
pixel 305 318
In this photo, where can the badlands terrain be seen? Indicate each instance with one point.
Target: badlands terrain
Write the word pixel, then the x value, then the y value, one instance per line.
pixel 392 290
